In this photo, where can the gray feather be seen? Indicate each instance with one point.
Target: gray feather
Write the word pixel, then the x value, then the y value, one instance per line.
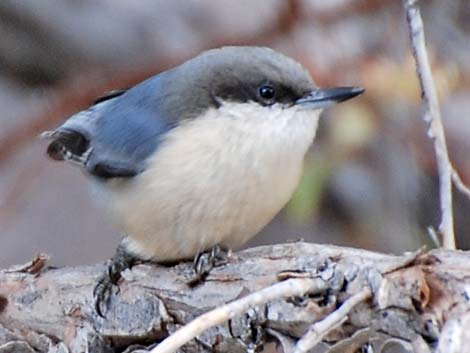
pixel 116 137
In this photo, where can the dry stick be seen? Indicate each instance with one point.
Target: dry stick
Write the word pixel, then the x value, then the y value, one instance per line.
pixel 319 329
pixel 459 184
pixel 217 316
pixel 432 116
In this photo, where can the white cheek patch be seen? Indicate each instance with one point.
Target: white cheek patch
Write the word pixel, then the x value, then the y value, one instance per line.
pixel 285 125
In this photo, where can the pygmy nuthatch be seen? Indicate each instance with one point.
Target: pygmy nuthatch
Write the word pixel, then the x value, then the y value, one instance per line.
pixel 201 155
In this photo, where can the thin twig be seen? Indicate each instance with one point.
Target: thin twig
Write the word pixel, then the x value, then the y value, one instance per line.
pixel 319 329
pixel 459 184
pixel 432 116
pixel 289 288
pixel 434 237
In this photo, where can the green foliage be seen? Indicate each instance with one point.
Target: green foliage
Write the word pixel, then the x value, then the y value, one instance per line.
pixel 305 203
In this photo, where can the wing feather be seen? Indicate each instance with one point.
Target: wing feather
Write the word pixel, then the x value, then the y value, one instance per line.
pixel 114 137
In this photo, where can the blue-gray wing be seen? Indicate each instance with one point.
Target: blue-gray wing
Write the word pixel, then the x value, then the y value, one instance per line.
pixel 114 137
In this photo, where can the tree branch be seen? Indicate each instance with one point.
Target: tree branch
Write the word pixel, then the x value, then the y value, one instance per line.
pixel 432 116
pixel 295 287
pixel 413 297
pixel 320 329
pixel 459 184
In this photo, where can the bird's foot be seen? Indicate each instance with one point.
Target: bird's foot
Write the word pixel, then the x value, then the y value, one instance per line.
pixel 103 290
pixel 205 261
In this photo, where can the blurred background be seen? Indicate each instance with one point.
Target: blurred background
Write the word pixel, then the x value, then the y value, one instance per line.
pixel 370 179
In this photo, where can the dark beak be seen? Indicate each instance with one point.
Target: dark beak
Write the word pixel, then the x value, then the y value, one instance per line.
pixel 326 97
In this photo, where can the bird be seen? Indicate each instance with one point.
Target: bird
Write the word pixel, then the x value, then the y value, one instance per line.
pixel 199 157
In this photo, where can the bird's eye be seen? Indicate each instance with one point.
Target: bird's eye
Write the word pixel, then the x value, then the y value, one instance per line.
pixel 267 92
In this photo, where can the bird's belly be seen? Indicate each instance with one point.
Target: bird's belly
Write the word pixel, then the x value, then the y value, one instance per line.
pixel 176 219
pixel 214 181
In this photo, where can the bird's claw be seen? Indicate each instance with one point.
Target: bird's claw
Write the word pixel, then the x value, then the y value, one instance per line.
pixel 102 293
pixel 108 281
pixel 205 261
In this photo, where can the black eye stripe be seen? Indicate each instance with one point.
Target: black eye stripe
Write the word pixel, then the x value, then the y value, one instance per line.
pixel 261 91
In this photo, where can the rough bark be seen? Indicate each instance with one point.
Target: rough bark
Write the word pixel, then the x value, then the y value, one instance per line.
pixel 420 302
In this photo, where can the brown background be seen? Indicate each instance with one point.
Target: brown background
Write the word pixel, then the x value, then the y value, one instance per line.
pixel 370 179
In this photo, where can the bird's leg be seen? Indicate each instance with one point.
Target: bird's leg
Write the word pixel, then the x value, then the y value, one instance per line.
pixel 102 292
pixel 205 261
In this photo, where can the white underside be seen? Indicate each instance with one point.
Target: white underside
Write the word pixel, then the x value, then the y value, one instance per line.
pixel 215 180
